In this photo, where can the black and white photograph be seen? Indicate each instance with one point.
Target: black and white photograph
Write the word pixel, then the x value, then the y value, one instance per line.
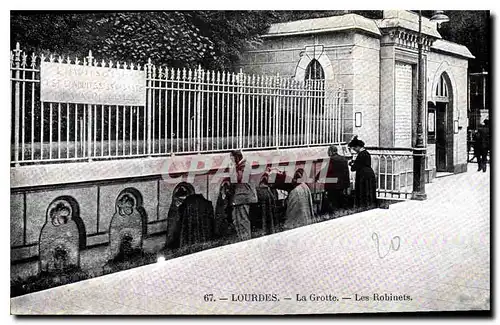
pixel 250 162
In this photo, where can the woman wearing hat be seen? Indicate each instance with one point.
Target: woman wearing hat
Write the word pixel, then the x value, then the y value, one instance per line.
pixel 365 195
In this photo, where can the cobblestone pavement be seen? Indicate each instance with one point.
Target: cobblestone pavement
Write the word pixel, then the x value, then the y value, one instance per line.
pixel 435 252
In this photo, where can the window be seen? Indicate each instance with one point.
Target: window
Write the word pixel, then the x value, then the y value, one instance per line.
pixel 442 88
pixel 314 71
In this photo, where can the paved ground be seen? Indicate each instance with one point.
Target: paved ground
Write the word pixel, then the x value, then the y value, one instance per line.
pixel 437 252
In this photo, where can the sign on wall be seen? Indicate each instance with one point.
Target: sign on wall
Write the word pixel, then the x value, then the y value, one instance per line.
pixel 403 105
pixel 71 83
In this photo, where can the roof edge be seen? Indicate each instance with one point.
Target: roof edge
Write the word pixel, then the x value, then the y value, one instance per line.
pixel 323 25
pixel 445 46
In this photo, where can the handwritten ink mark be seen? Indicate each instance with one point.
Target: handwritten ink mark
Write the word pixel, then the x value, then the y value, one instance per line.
pixel 391 247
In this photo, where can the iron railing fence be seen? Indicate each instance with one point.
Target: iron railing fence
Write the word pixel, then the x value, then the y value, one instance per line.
pixel 185 111
pixel 393 169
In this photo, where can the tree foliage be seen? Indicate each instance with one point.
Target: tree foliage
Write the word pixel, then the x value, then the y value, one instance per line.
pixel 214 39
pixel 472 29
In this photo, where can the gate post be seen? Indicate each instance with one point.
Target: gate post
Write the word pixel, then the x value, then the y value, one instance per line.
pixel 198 121
pixel 17 61
pixel 148 89
pixel 308 114
pixel 277 110
pixel 240 109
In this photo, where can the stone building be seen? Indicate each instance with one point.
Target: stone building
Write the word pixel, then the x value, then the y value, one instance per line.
pixel 375 60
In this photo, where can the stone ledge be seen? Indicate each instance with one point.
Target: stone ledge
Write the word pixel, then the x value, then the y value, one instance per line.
pixel 97 239
pixel 19 254
pixel 159 226
pixel 107 170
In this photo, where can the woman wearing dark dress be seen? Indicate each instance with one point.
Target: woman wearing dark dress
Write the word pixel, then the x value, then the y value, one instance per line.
pixel 365 195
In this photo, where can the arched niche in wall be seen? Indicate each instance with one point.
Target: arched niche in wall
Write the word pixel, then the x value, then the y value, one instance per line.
pixel 62 236
pixel 128 224
pixel 314 57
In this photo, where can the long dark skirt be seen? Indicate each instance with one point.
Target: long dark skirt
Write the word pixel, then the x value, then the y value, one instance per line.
pixel 173 227
pixel 223 223
pixel 366 190
pixel 241 220
pixel 197 219
pixel 265 212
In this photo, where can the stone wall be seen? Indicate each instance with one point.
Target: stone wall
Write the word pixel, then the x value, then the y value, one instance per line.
pixel 85 223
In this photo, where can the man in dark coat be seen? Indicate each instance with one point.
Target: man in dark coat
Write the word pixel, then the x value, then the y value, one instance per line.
pixel 336 181
pixel 483 145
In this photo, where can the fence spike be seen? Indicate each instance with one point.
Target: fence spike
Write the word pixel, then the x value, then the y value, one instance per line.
pixel 125 65
pixel 154 71
pixel 132 66
pixel 33 60
pixel 178 74
pixel 90 58
pixel 77 60
pixel 42 57
pixel 24 57
pixel 17 53
pixel 183 73
pixel 189 75
pixel 11 58
pixel 51 58
pixel 103 63
pixel 68 60
pixel 59 59
pixel 139 66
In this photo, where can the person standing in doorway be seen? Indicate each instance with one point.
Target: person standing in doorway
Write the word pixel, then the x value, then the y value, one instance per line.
pixel 365 194
pixel 242 194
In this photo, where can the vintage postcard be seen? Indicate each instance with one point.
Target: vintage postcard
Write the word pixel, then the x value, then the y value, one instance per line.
pixel 250 162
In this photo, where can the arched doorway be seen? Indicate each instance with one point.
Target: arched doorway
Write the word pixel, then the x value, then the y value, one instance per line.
pixel 443 95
